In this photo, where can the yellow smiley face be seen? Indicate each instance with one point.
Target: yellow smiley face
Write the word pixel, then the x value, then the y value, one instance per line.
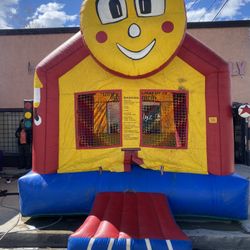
pixel 133 37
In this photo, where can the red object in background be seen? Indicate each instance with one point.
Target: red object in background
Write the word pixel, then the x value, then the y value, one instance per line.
pixel 23 137
pixel 244 111
pixel 28 104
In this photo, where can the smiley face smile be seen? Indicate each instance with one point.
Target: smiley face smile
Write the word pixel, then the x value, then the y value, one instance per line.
pixel 137 55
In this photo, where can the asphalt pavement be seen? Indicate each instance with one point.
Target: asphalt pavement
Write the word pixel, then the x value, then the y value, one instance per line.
pixel 17 232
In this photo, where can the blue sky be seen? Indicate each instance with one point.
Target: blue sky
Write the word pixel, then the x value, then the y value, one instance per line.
pixel 65 13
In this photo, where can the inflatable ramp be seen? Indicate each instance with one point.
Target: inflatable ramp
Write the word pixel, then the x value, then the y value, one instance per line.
pixel 129 221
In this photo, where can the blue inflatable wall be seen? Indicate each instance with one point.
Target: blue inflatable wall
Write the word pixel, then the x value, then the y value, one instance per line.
pixel 188 194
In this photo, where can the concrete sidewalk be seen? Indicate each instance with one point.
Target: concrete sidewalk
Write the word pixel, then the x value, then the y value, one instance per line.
pixel 53 232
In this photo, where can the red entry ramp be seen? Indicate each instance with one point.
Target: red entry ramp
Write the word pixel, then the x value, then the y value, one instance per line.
pixel 124 221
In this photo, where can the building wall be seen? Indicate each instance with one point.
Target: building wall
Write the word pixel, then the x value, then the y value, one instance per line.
pixel 21 53
pixel 232 44
pixel 19 56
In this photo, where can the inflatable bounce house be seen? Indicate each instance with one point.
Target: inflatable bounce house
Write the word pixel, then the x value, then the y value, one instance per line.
pixel 133 123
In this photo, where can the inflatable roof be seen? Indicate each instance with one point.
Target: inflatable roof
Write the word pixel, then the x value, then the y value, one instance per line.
pixel 208 133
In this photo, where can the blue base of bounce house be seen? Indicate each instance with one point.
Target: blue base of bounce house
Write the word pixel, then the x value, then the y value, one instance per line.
pixel 188 194
pixel 121 244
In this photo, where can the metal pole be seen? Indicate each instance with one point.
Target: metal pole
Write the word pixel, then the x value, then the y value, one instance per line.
pixel 246 140
pixel 247 134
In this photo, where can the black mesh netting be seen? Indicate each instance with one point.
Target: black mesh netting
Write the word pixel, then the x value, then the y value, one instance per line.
pixel 98 118
pixel 164 119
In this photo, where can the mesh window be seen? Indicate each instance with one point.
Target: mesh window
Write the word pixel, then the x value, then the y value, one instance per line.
pixel 164 119
pixel 98 119
pixel 9 122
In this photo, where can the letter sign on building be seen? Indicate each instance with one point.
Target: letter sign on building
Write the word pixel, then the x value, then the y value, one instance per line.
pixel 238 68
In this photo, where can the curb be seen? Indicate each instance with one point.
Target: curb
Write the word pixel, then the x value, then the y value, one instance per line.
pixel 36 239
pixel 201 240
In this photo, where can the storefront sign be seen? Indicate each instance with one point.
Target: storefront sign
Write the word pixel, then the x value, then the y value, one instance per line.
pixel 244 111
pixel 238 68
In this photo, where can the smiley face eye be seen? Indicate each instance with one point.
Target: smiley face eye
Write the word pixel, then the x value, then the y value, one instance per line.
pixel 111 11
pixel 148 8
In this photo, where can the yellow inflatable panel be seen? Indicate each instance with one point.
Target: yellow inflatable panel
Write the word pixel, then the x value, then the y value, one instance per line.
pixel 177 77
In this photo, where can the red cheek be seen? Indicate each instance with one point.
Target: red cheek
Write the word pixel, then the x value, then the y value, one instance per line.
pixel 167 27
pixel 101 37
